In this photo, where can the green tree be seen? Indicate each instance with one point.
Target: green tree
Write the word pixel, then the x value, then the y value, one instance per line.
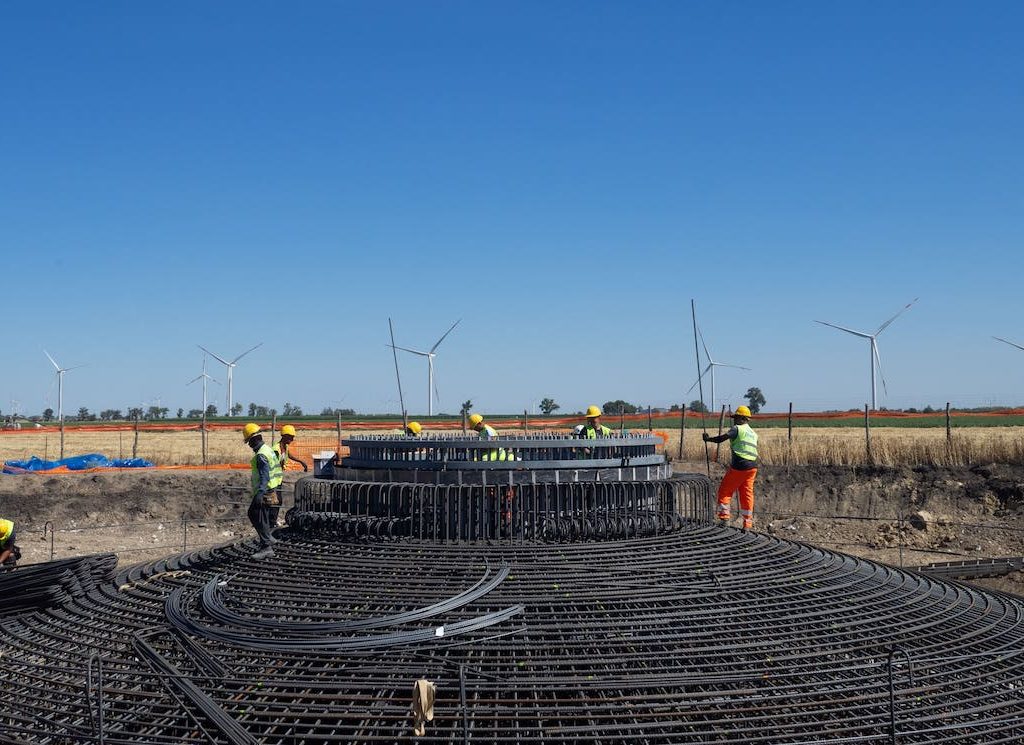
pixel 195 413
pixel 236 409
pixel 211 410
pixel 755 399
pixel 291 411
pixel 466 407
pixel 548 405
pixel 698 406
pixel 181 412
pixel 47 415
pixel 619 407
pixel 83 414
pixel 135 413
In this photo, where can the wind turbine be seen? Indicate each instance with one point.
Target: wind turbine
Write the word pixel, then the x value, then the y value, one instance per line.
pixel 60 384
pixel 231 368
pixel 431 388
pixel 711 368
pixel 204 377
pixel 875 359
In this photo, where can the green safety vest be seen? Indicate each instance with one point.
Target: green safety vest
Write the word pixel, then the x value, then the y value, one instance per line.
pixel 276 472
pixel 745 444
pixel 592 434
pixel 282 454
pixel 6 528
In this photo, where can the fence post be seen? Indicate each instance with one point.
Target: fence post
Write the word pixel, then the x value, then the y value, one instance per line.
pixel 650 426
pixel 949 431
pixel 465 427
pixel 682 429
pixel 789 423
pixel 622 420
pixel 867 435
pixel 202 432
pixel 526 421
pixel 135 442
pixel 273 429
pixel 339 434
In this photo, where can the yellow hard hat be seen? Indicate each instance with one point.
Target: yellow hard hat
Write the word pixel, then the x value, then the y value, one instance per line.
pixel 414 427
pixel 475 419
pixel 593 411
pixel 249 430
pixel 742 411
pixel 287 430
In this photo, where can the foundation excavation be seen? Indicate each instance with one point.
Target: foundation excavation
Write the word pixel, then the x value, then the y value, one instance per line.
pixel 512 590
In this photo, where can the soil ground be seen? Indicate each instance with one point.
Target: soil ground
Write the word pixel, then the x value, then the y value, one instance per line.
pixel 919 514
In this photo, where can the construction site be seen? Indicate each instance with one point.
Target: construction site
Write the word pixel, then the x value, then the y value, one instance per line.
pixel 530 588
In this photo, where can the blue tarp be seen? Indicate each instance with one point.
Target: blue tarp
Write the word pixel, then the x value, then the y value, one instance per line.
pixel 74 463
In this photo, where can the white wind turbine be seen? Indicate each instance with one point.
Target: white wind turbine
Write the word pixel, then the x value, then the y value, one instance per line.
pixel 204 377
pixel 431 388
pixel 711 368
pixel 60 384
pixel 875 360
pixel 1004 341
pixel 231 368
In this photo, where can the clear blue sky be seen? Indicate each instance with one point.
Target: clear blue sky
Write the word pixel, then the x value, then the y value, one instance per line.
pixel 563 176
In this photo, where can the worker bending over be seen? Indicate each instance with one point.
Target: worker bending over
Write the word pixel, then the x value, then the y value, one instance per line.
pixel 743 469
pixel 413 429
pixel 487 432
pixel 266 489
pixel 281 448
pixel 9 553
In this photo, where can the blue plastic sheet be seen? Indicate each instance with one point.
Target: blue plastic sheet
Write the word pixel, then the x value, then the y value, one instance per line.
pixel 74 463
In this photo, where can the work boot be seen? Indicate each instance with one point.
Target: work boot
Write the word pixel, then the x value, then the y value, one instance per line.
pixel 723 515
pixel 264 553
pixel 748 523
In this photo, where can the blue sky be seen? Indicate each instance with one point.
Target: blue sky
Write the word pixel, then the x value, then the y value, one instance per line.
pixel 563 176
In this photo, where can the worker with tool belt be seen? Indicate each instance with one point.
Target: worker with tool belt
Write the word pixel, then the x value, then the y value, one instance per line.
pixel 281 448
pixel 9 553
pixel 743 469
pixel 266 489
pixel 487 432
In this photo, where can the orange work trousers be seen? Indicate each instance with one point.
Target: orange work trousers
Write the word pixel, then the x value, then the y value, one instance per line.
pixel 737 481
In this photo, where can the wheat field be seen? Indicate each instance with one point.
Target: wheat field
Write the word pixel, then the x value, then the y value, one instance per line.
pixel 843 446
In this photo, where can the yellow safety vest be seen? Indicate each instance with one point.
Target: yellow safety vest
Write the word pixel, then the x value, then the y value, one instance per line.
pixel 6 528
pixel 488 433
pixel 745 444
pixel 276 473
pixel 282 454
pixel 592 434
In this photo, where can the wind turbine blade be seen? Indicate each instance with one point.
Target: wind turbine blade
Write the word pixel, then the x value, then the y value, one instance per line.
pixel 878 361
pixel 414 351
pixel 58 366
pixel 219 359
pixel 905 309
pixel 197 377
pixel 706 352
pixel 1004 341
pixel 699 378
pixel 445 334
pixel 726 364
pixel 843 328
pixel 236 359
pixel 75 367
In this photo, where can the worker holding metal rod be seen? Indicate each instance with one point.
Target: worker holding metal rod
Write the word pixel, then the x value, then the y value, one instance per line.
pixel 742 470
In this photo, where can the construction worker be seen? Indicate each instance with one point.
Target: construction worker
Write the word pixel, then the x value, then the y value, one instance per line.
pixel 487 432
pixel 413 429
pixel 9 553
pixel 266 489
pixel 742 470
pixel 281 447
pixel 593 428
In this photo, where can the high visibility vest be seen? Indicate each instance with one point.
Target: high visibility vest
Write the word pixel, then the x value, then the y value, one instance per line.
pixel 745 444
pixel 489 433
pixel 6 529
pixel 282 453
pixel 276 472
pixel 591 433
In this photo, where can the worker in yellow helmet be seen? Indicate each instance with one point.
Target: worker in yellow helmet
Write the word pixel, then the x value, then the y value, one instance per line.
pixel 742 470
pixel 265 502
pixel 487 432
pixel 413 429
pixel 9 553
pixel 281 448
pixel 593 428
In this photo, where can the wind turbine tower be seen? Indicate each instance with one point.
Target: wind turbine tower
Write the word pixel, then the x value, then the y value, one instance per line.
pixel 231 368
pixel 875 360
pixel 431 387
pixel 204 377
pixel 60 384
pixel 711 368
